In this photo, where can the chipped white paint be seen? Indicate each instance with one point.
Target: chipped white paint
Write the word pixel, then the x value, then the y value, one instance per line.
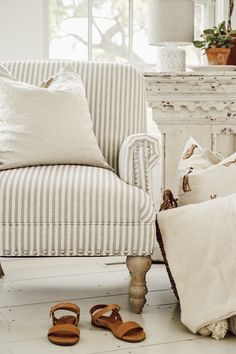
pixel 202 105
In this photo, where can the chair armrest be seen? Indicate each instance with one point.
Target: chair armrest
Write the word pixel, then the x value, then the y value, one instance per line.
pixel 138 159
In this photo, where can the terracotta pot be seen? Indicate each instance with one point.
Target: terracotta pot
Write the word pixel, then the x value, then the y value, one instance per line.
pixel 217 56
pixel 232 56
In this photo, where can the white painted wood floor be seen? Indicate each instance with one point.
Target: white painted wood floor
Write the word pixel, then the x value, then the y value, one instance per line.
pixel 30 287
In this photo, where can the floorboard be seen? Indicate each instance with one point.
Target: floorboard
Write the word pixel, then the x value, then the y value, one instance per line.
pixel 31 286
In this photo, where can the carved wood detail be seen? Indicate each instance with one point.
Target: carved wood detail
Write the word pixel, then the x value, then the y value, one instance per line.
pixel 199 104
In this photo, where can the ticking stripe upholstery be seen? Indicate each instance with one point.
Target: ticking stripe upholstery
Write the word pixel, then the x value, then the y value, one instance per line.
pixel 73 210
pixel 114 91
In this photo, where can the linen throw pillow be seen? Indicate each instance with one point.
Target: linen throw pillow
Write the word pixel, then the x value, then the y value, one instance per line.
pixel 41 126
pixel 204 174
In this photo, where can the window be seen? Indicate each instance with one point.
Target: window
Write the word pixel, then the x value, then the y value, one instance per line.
pixel 100 30
pixel 114 30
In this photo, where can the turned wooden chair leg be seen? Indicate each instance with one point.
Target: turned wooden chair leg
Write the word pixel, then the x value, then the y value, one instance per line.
pixel 138 267
pixel 1 271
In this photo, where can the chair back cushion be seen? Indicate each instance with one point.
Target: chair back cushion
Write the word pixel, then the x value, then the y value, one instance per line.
pixel 115 94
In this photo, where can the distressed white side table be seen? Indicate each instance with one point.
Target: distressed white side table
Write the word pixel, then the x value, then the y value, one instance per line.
pixel 202 105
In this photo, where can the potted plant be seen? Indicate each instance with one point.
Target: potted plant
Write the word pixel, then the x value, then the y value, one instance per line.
pixel 217 42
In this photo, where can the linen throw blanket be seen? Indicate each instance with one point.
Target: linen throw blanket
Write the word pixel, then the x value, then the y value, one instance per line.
pixel 200 245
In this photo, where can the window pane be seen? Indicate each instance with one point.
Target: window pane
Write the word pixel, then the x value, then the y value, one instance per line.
pixel 68 29
pixel 199 24
pixel 110 30
pixel 143 53
pixel 199 20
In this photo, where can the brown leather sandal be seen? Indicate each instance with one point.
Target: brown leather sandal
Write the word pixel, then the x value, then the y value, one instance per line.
pixel 127 331
pixel 64 330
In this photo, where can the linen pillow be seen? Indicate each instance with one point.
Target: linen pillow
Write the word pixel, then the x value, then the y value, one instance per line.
pixel 204 174
pixel 41 126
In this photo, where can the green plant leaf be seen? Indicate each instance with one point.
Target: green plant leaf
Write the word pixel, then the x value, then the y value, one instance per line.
pixel 222 27
pixel 209 31
pixel 198 44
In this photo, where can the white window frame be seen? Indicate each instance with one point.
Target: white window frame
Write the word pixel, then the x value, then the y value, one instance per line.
pixel 215 11
pixel 209 11
pixel 130 49
pixel 221 10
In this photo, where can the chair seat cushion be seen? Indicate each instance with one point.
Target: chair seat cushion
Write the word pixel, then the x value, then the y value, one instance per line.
pixel 73 210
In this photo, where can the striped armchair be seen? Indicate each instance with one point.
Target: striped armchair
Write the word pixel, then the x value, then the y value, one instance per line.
pixel 71 210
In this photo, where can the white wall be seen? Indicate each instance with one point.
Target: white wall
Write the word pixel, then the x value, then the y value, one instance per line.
pixel 22 29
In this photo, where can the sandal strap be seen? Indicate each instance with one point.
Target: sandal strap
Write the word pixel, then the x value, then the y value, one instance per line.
pixel 68 328
pixel 65 306
pixel 113 308
pixel 126 327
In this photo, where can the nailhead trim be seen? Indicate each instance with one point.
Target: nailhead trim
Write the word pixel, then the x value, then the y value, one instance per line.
pixel 136 180
pixel 79 252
